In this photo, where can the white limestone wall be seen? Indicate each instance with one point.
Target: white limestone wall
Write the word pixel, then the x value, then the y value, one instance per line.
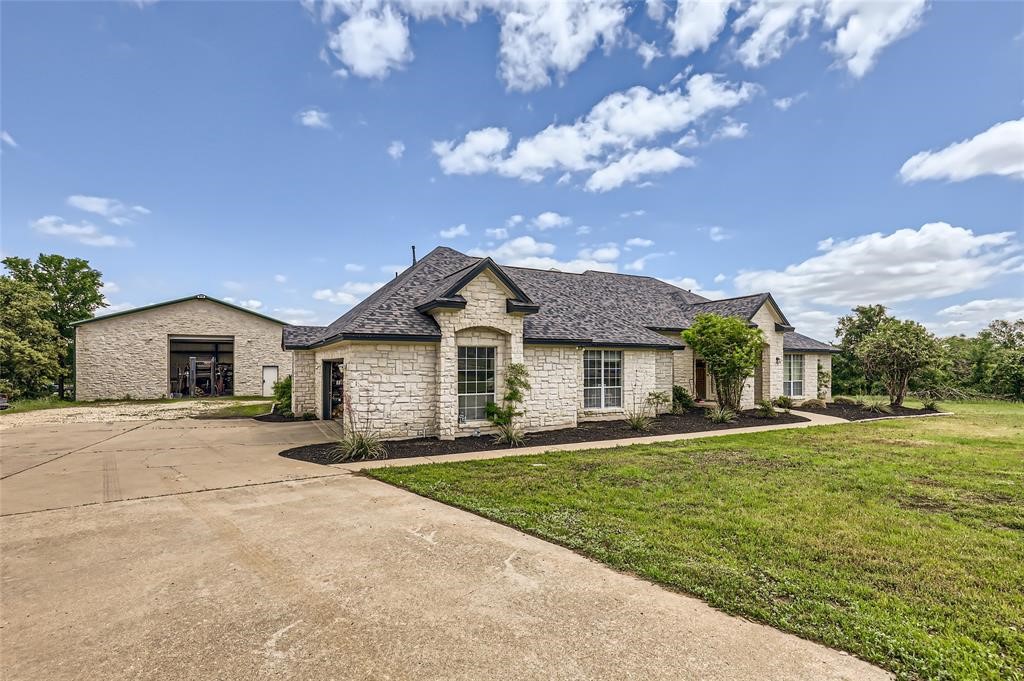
pixel 643 371
pixel 554 380
pixel 304 395
pixel 129 354
pixel 765 319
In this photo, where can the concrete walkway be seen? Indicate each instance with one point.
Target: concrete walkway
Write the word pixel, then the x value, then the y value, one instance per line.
pixel 814 419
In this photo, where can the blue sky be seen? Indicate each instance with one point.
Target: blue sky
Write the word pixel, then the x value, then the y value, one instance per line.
pixel 286 155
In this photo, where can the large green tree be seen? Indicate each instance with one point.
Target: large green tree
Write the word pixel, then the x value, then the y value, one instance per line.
pixel 732 350
pixel 29 343
pixel 849 375
pixel 74 289
pixel 895 352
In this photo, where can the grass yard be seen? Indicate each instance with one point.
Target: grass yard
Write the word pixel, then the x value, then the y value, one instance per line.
pixel 241 410
pixel 901 542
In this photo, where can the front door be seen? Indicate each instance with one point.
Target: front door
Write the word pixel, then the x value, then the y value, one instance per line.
pixel 700 379
pixel 269 379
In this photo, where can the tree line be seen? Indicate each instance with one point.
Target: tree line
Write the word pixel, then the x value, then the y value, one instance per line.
pixel 40 301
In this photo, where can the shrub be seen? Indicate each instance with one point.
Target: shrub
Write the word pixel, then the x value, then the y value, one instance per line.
pixel 766 410
pixel 720 415
pixel 681 399
pixel 510 434
pixel 731 349
pixel 876 406
pixel 308 416
pixel 813 404
pixel 783 402
pixel 849 400
pixel 283 393
pixel 933 405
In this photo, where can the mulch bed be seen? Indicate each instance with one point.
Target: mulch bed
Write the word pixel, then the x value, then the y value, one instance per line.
pixel 851 412
pixel 692 421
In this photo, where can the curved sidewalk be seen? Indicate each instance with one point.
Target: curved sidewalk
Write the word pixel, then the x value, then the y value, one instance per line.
pixel 813 419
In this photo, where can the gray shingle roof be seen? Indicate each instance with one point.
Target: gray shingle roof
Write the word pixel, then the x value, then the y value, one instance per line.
pixel 797 342
pixel 590 308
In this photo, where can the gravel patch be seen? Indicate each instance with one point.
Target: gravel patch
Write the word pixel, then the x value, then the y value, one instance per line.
pixel 112 412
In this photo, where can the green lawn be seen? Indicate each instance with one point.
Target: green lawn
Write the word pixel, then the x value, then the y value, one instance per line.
pixel 241 410
pixel 22 406
pixel 899 541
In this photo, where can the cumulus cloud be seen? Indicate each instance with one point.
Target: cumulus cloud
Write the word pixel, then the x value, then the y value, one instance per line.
pixel 453 232
pixel 639 242
pixel 83 232
pixel 550 220
pixel 538 39
pixel 109 288
pixel 640 212
pixel 349 293
pixel 497 233
pixel 314 118
pixel 717 234
pixel 934 261
pixel 860 29
pixel 354 267
pixel 640 263
pixel 116 212
pixel 248 303
pixel 997 151
pixel 974 315
pixel 6 138
pixel 609 138
pixel 785 103
pixel 396 149
pixel 719 278
pixel 280 278
pixel 603 253
pixel 691 284
pixel 730 130
pixel 583 230
pixel 513 220
pixel 648 52
pixel 525 251
pixel 696 24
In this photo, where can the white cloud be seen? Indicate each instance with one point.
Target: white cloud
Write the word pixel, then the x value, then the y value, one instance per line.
pixel 656 9
pixel 719 278
pixel 296 315
pixel 639 242
pixel 934 261
pixel 582 230
pixel 6 138
pixel 453 232
pixel 640 263
pixel 314 118
pixel 604 253
pixel 550 220
pixel 251 304
pixel 696 24
pixel 730 130
pixel 109 288
pixel 280 278
pixel 974 315
pixel 862 28
pixel 717 234
pixel 785 103
pixel 497 233
pixel 113 210
pixel 610 137
pixel 354 267
pixel 688 141
pixel 997 151
pixel 84 232
pixel 372 43
pixel 396 149
pixel 640 212
pixel 691 284
pixel 513 220
pixel 538 40
pixel 648 52
pixel 525 251
pixel 635 165
pixel 349 293
pixel 233 285
pixel 116 307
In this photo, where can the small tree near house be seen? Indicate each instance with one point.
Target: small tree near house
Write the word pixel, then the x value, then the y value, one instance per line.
pixel 895 352
pixel 504 415
pixel 732 350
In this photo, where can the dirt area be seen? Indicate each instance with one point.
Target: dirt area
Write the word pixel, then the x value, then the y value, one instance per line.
pixel 851 412
pixel 111 412
pixel 692 421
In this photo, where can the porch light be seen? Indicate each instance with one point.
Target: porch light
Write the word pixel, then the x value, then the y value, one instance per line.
pixel 778 360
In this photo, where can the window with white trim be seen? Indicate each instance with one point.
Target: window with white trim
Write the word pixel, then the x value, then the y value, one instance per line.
pixel 476 382
pixel 602 379
pixel 793 375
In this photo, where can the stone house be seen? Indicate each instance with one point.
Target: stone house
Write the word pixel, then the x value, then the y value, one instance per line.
pixel 190 346
pixel 424 354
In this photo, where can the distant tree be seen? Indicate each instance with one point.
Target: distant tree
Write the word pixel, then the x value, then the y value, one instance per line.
pixel 1008 375
pixel 849 376
pixel 895 351
pixel 29 343
pixel 74 289
pixel 732 351
pixel 1005 334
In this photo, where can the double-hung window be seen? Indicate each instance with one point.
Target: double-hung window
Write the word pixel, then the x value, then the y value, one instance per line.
pixel 793 375
pixel 476 382
pixel 602 379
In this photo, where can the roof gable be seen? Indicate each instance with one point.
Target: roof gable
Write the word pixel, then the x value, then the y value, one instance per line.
pixel 166 303
pixel 446 293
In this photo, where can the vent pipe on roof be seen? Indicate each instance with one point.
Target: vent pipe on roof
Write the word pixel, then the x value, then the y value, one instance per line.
pixel 414 254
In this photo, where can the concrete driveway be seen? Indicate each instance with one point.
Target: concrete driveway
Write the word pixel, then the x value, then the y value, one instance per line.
pixel 282 569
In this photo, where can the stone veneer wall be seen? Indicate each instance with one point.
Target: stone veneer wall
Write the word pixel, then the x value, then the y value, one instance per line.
pixel 128 354
pixel 811 375
pixel 304 369
pixel 554 386
pixel 643 371
pixel 772 376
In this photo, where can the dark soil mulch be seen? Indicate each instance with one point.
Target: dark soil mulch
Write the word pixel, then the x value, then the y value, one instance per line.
pixel 275 416
pixel 851 412
pixel 692 421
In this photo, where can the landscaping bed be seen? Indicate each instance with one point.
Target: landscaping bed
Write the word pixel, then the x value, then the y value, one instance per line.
pixel 853 412
pixel 692 421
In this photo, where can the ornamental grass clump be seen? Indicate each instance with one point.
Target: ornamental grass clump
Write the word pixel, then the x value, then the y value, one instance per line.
pixel 720 415
pixel 359 442
pixel 640 416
